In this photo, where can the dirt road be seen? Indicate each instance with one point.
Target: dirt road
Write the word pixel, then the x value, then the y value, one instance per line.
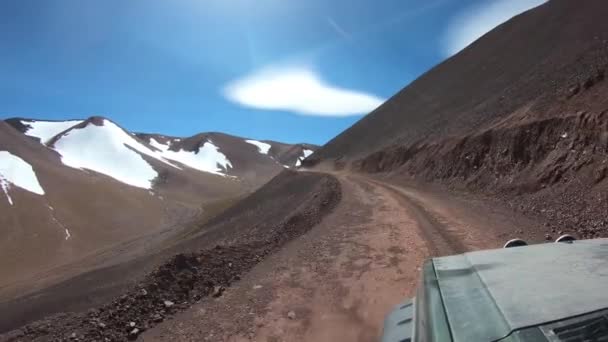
pixel 337 282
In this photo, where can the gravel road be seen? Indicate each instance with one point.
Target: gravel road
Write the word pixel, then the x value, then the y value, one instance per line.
pixel 338 281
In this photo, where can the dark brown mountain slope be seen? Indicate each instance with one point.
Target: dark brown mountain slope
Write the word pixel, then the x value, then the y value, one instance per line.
pixel 533 60
pixel 521 115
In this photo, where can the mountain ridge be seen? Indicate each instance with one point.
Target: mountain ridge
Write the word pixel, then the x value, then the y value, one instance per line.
pixel 104 185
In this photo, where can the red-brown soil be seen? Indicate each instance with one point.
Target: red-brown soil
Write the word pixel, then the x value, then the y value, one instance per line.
pixel 317 274
pixel 338 281
pixel 208 259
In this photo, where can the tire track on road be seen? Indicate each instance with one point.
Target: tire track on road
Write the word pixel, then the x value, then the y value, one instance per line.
pixel 440 239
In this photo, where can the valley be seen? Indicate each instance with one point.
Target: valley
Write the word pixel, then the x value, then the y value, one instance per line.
pixel 96 195
pixel 113 235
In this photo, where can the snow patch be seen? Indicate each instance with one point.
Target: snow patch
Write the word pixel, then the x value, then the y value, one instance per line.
pixel 305 154
pixel 158 145
pixel 16 171
pixel 109 150
pixel 61 225
pixel 4 185
pixel 45 130
pixel 208 158
pixel 263 148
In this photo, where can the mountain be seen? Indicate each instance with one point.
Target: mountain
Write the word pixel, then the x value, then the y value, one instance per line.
pixel 249 160
pixel 74 189
pixel 517 123
pixel 519 114
pixel 487 82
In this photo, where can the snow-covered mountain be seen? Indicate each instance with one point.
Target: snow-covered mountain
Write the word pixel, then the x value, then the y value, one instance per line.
pixel 70 188
pixel 100 145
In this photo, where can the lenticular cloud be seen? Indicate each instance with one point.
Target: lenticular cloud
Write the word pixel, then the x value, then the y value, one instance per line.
pixel 299 91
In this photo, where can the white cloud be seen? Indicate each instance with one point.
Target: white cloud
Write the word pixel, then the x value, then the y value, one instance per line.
pixel 298 90
pixel 476 21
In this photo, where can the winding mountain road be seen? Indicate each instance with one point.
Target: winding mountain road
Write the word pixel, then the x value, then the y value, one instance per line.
pixel 338 281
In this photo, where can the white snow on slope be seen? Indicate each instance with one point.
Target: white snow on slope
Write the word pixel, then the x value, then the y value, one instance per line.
pixel 61 225
pixel 263 148
pixel 118 133
pixel 4 186
pixel 45 130
pixel 16 171
pixel 102 149
pixel 305 154
pixel 109 150
pixel 158 145
pixel 207 159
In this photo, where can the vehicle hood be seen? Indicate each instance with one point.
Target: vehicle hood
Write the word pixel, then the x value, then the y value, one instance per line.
pixel 489 294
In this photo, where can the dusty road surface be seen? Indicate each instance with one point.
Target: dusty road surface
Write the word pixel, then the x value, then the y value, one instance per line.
pixel 337 282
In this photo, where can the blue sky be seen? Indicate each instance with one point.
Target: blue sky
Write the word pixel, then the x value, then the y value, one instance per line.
pixel 286 70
